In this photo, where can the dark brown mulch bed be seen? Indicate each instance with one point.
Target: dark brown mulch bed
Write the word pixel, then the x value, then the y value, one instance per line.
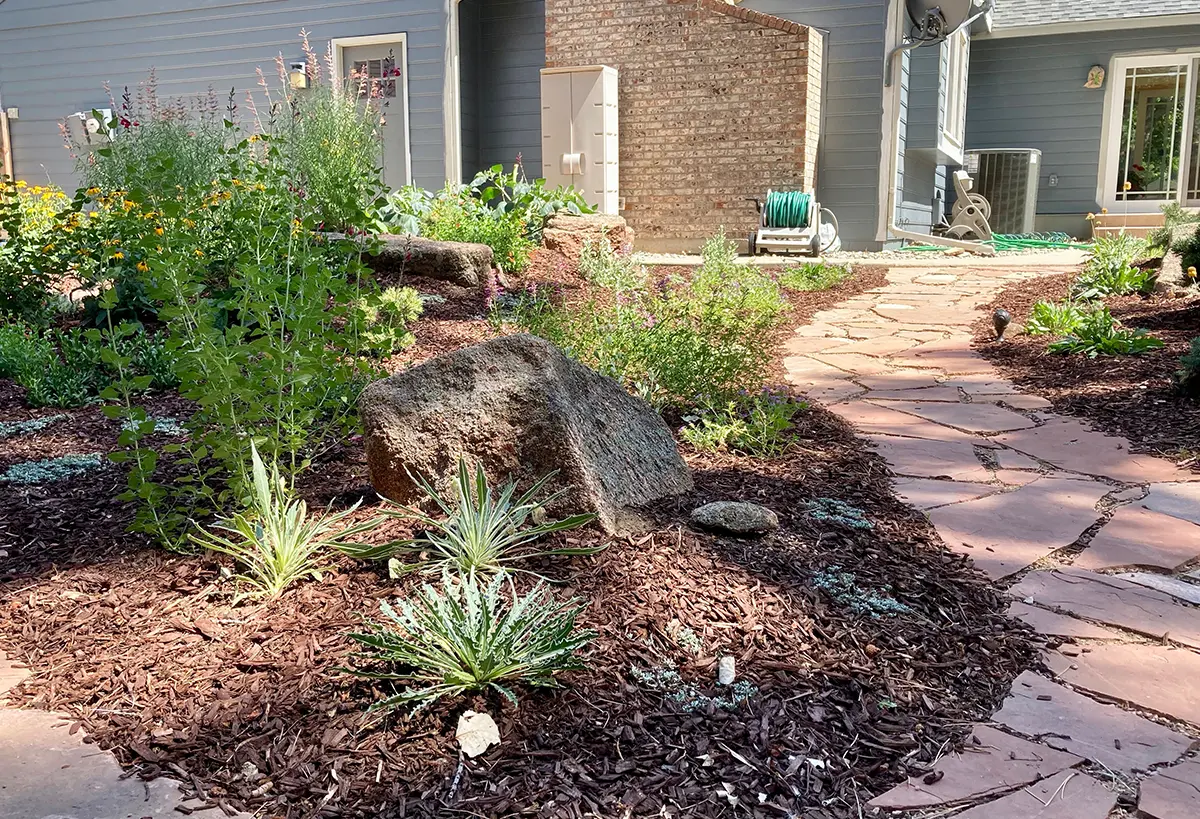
pixel 1130 396
pixel 146 651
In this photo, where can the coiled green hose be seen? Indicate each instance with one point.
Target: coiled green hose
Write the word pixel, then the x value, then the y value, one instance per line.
pixel 787 209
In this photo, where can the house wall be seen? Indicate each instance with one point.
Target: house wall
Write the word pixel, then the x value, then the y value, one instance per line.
pixel 717 103
pixel 850 157
pixel 922 179
pixel 512 56
pixel 1028 93
pixel 55 56
pixel 469 34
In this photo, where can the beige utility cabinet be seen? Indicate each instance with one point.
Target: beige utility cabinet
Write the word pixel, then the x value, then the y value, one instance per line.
pixel 579 132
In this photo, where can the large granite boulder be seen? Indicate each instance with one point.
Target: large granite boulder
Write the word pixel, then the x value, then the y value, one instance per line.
pixel 459 262
pixel 523 409
pixel 567 233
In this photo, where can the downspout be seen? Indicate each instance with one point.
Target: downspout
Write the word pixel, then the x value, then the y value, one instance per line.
pixel 894 160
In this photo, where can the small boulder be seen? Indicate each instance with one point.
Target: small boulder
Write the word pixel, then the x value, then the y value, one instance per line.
pixel 736 518
pixel 566 233
pixel 462 263
pixel 523 409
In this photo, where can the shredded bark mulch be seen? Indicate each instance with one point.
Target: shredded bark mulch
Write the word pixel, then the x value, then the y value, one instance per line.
pixel 862 653
pixel 1131 396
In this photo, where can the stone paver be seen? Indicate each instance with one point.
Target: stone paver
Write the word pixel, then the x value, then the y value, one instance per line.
pixel 881 419
pixel 915 457
pixel 1009 459
pixel 947 395
pixel 976 385
pixel 49 774
pixel 1174 586
pixel 1172 793
pixel 1160 678
pixel 1005 533
pixel 977 418
pixel 1069 795
pixel 1069 721
pixel 925 493
pixel 1181 500
pixel 900 379
pixel 1141 537
pixel 998 762
pixel 1024 402
pixel 1069 445
pixel 1112 601
pixel 1059 625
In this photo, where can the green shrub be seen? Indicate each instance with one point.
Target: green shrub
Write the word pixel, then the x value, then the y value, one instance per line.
pixel 457 216
pixel 483 530
pixel 756 426
pixel 605 267
pixel 687 343
pixel 531 202
pixel 1188 376
pixel 813 276
pixel 275 541
pixel 1110 270
pixel 471 637
pixel 1098 333
pixel 1053 318
pixel 1174 217
pixel 29 217
pixel 386 316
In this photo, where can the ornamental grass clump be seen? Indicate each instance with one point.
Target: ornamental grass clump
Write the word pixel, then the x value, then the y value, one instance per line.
pixel 472 635
pixel 275 541
pixel 484 530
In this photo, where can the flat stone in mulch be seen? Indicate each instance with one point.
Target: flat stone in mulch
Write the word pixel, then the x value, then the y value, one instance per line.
pixel 1005 533
pixel 1069 795
pixel 1180 500
pixel 991 762
pixel 1172 793
pixel 1159 678
pixel 1113 601
pixel 1069 721
pixel 1068 444
pixel 976 418
pixel 925 493
pixel 1139 537
pixel 915 457
pixel 882 419
pixel 1054 624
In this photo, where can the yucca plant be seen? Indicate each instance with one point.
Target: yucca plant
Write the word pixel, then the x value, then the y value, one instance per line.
pixel 471 637
pixel 275 541
pixel 483 530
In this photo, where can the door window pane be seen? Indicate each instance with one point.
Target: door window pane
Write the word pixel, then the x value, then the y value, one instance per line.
pixel 376 78
pixel 1152 133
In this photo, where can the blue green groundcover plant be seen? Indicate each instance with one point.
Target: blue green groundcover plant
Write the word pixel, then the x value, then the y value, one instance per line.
pixel 51 469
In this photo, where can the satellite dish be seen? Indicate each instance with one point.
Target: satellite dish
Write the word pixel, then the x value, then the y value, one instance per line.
pixel 938 19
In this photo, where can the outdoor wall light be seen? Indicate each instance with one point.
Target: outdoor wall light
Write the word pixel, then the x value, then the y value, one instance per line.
pixel 298 76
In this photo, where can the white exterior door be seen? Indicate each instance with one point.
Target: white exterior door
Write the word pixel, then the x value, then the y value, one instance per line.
pixel 377 69
pixel 1153 155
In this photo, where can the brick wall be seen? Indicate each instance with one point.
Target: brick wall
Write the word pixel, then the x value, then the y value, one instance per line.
pixel 717 103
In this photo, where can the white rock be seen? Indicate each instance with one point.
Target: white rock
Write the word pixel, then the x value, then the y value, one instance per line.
pixel 476 733
pixel 726 671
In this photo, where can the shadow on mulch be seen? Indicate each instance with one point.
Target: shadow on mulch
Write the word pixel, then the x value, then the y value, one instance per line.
pixel 1129 396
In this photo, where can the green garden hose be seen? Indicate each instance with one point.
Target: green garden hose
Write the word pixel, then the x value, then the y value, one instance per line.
pixel 787 209
pixel 1014 241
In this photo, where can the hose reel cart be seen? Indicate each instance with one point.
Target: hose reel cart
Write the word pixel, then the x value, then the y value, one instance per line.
pixel 790 222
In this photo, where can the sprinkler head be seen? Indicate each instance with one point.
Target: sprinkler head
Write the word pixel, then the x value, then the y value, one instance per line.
pixel 1001 319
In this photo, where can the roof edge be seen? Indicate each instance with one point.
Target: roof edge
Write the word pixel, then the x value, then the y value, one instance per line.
pixel 1083 26
pixel 747 15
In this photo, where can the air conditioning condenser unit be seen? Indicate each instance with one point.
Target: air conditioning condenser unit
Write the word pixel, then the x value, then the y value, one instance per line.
pixel 1008 179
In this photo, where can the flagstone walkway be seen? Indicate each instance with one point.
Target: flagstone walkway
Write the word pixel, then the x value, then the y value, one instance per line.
pixel 1097 546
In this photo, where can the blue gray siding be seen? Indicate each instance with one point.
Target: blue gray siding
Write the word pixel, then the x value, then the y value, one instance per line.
pixel 922 178
pixel 850 157
pixel 512 55
pixel 468 77
pixel 56 54
pixel 1028 93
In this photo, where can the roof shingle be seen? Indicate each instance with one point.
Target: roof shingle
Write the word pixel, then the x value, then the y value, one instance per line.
pixel 1022 13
